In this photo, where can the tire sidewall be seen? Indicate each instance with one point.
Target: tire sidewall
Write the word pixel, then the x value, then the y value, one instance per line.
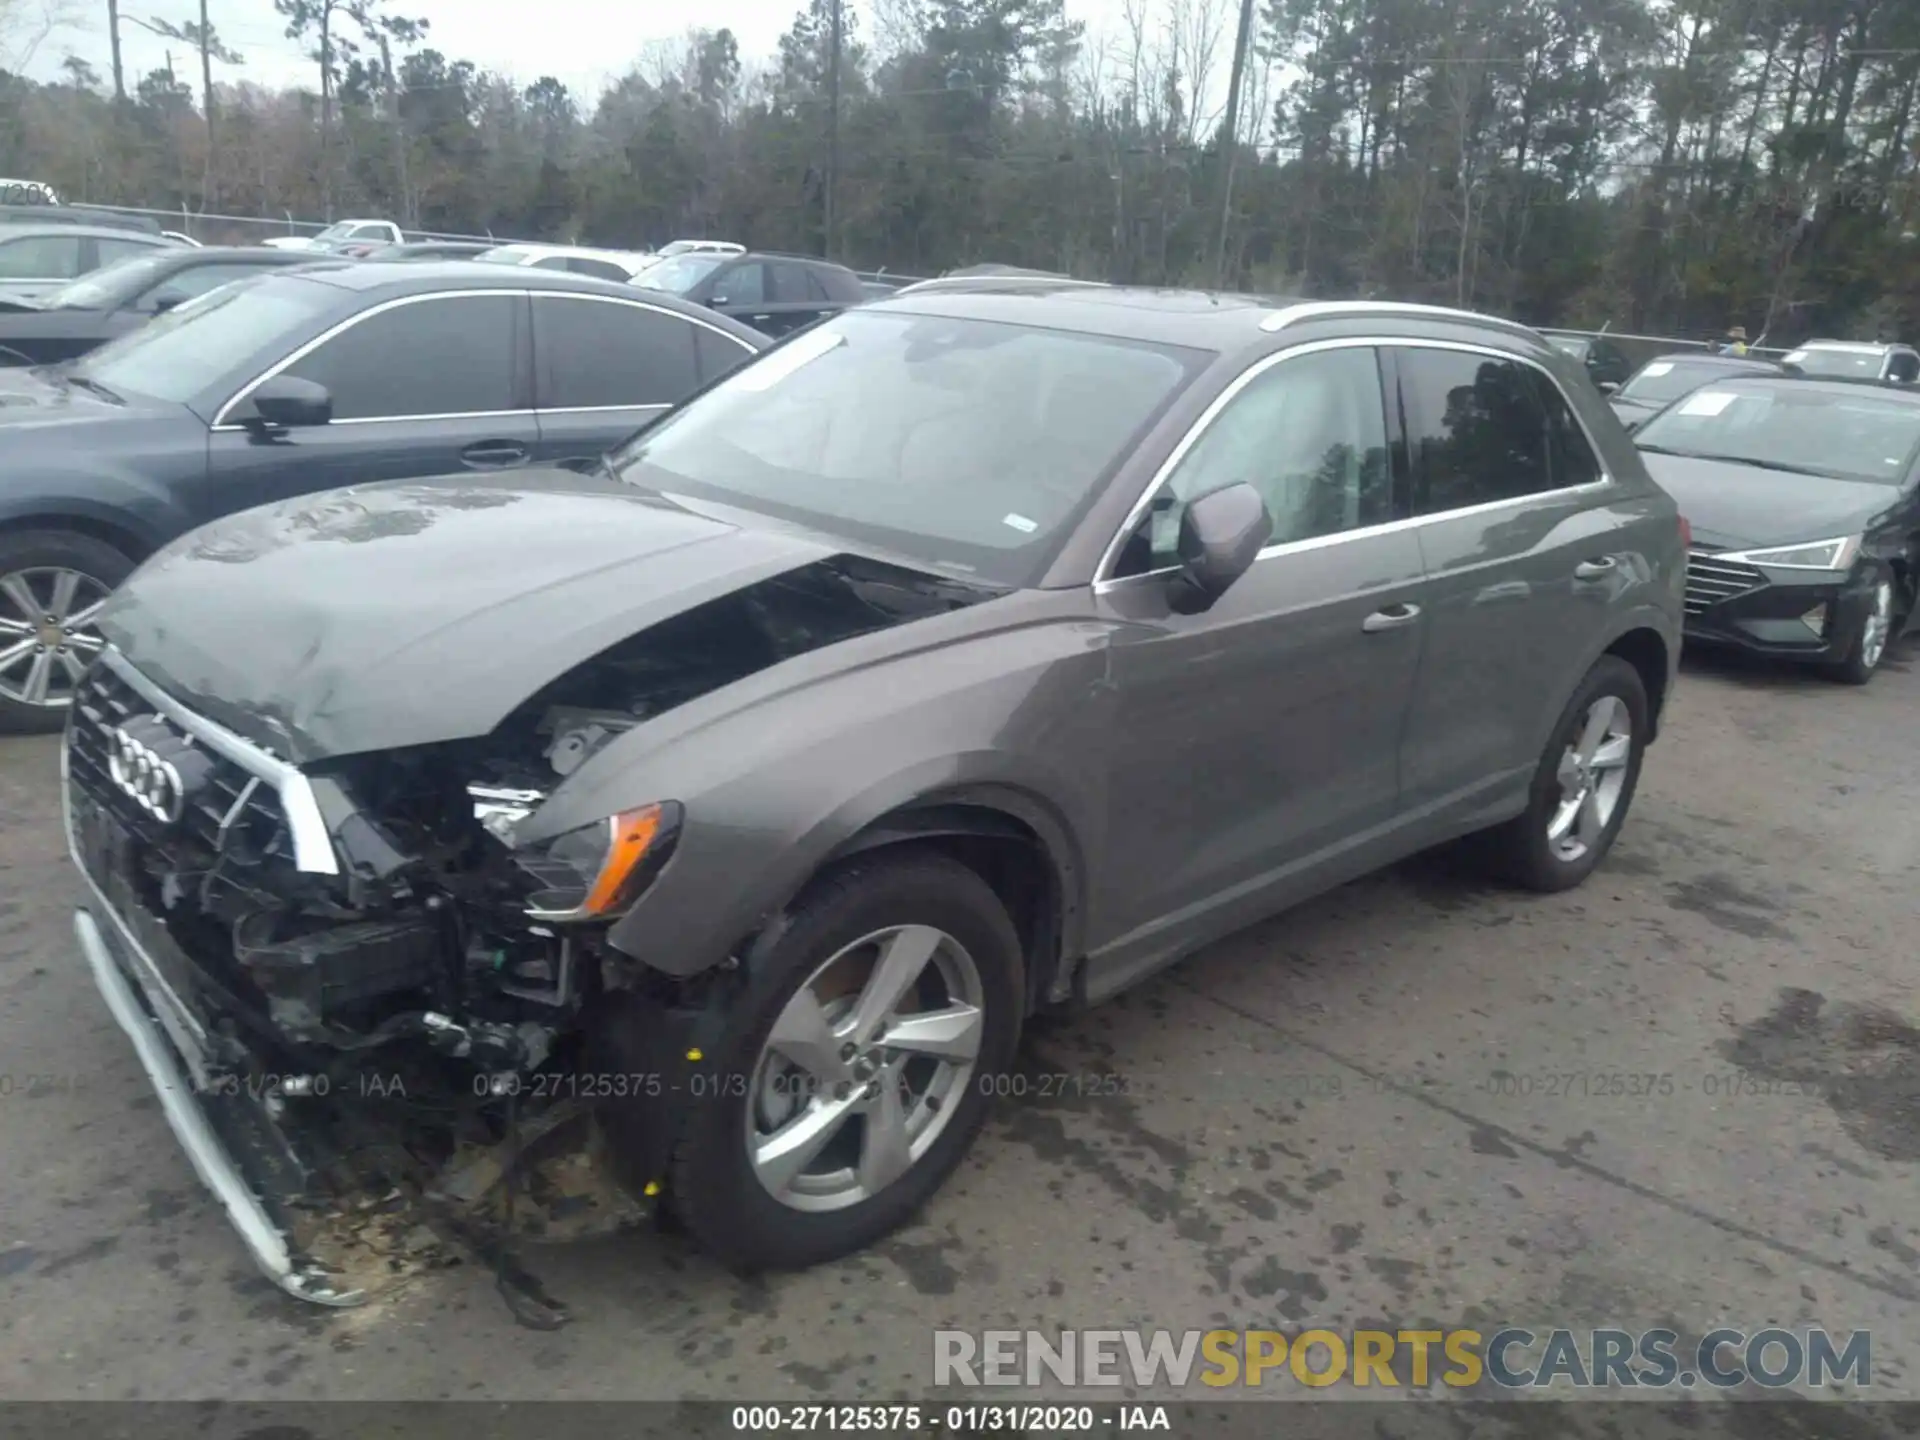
pixel 1854 669
pixel 714 1190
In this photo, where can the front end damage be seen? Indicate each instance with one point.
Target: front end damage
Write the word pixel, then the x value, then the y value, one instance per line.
pixel 370 1012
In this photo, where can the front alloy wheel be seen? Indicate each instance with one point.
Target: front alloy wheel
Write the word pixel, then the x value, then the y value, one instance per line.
pixel 860 1074
pixel 860 1040
pixel 52 588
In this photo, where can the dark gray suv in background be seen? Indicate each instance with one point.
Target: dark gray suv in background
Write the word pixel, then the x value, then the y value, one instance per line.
pixel 967 654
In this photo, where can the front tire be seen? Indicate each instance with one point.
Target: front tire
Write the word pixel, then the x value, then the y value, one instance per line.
pixel 1875 633
pixel 52 583
pixel 1584 784
pixel 856 1064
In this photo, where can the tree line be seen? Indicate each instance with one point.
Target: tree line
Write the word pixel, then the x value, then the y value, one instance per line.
pixel 1665 165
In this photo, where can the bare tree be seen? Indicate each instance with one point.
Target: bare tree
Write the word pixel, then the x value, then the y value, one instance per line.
pixel 26 25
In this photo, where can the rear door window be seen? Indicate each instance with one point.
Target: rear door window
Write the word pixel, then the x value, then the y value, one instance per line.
pixel 40 257
pixel 605 354
pixel 1476 430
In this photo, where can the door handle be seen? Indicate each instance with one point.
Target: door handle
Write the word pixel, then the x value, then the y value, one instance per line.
pixel 1594 569
pixel 1391 618
pixel 494 454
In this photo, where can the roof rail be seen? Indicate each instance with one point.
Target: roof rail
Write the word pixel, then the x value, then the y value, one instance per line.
pixel 1329 309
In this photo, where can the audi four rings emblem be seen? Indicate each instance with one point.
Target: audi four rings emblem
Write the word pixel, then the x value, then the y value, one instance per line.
pixel 149 779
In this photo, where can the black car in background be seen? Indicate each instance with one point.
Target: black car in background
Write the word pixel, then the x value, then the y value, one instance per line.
pixel 1804 498
pixel 37 258
pixel 333 373
pixel 1665 378
pixel 88 312
pixel 1607 364
pixel 776 294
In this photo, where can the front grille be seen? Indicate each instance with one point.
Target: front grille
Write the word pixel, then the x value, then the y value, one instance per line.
pixel 232 813
pixel 1711 580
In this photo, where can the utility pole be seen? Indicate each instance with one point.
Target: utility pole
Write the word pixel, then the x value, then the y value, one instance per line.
pixel 206 103
pixel 113 35
pixel 1236 84
pixel 833 126
pixel 399 135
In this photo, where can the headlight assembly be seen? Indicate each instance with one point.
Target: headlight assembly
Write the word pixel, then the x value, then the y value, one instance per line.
pixel 591 873
pixel 598 870
pixel 1812 555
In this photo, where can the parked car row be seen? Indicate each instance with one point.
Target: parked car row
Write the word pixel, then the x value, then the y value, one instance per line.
pixel 966 653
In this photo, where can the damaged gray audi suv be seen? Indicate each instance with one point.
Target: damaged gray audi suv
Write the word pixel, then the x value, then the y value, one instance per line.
pixel 735 805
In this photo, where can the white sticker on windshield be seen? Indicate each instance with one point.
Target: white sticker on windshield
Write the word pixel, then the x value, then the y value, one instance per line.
pixel 777 364
pixel 1658 368
pixel 1708 402
pixel 1020 523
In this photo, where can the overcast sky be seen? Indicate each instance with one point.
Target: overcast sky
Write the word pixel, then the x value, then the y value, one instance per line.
pixel 586 43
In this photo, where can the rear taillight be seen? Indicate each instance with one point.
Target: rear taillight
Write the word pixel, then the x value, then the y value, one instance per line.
pixel 1686 534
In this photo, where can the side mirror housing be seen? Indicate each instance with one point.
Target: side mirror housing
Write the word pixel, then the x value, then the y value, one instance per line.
pixel 168 300
pixel 1607 387
pixel 1221 535
pixel 287 403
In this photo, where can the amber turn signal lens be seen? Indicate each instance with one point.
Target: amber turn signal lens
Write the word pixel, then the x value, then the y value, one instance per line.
pixel 633 834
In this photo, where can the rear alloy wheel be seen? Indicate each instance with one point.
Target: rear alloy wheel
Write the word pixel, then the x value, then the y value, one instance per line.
pixel 1876 632
pixel 853 1074
pixel 1583 785
pixel 52 585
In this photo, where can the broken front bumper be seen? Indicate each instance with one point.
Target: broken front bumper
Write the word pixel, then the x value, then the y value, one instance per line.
pixel 188 1112
pixel 220 1118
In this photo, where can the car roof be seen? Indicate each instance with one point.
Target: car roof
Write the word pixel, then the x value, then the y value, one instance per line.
pixel 418 277
pixel 776 255
pixel 1855 347
pixel 1707 357
pixel 98 232
pixel 1835 385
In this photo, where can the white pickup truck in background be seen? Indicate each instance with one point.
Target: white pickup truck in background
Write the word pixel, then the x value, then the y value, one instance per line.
pixel 341 235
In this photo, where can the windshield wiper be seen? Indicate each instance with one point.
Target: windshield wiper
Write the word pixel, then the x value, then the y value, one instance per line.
pixel 94 387
pixel 1683 454
pixel 1782 465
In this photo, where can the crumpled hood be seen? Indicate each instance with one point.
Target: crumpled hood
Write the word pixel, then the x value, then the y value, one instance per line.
pixel 1734 506
pixel 420 611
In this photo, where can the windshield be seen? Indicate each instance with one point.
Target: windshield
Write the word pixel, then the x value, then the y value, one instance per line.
pixel 678 274
pixel 1662 380
pixel 184 351
pixel 1817 360
pixel 1851 437
pixel 972 446
pixel 1568 345
pixel 108 286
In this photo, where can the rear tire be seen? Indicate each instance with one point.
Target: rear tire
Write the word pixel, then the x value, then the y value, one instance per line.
pixel 47 578
pixel 1583 787
pixel 728 1201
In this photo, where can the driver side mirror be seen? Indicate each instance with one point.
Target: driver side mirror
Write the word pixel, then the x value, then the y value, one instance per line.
pixel 286 403
pixel 1607 387
pixel 168 300
pixel 1221 535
